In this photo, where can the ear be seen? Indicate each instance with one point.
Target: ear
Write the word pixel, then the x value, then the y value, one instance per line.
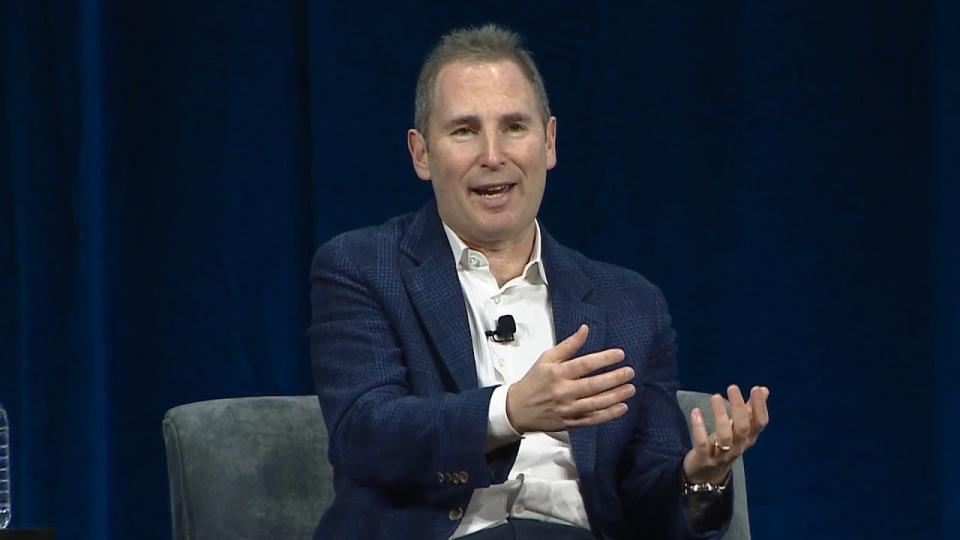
pixel 417 145
pixel 551 140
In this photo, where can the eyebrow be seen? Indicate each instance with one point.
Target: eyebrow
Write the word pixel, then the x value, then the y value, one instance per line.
pixel 463 119
pixel 510 118
pixel 472 119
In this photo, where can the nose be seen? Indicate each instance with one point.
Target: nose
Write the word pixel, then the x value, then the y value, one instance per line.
pixel 492 156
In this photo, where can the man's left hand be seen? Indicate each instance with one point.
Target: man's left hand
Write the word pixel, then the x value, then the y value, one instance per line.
pixel 712 456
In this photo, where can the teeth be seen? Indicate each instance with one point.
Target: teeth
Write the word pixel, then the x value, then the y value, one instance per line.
pixel 490 192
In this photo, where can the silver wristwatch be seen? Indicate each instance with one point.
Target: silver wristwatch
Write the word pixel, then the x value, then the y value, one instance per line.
pixel 705 488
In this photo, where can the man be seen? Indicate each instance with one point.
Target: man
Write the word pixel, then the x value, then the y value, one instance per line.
pixel 445 420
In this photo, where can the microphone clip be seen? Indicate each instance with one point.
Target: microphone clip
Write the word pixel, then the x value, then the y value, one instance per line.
pixel 504 333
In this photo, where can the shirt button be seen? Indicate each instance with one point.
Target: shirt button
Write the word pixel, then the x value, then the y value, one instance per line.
pixel 518 509
pixel 474 260
pixel 455 514
pixel 496 299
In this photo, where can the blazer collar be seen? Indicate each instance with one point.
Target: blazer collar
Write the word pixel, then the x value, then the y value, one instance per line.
pixel 434 288
pixel 424 238
pixel 570 288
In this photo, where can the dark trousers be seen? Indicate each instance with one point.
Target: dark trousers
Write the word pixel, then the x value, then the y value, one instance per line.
pixel 528 529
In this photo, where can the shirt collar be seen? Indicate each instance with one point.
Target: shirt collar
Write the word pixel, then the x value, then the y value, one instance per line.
pixel 470 259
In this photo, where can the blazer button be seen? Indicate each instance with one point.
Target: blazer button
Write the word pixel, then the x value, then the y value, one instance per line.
pixel 463 477
pixel 456 514
pixel 440 477
pixel 448 478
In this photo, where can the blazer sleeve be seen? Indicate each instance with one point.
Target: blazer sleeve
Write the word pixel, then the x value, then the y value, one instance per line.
pixel 381 435
pixel 651 486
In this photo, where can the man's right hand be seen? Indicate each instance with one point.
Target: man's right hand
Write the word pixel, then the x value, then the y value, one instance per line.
pixel 557 394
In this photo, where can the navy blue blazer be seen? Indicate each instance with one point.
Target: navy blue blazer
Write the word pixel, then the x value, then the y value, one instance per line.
pixel 394 370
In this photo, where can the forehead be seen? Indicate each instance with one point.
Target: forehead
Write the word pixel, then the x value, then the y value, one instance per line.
pixel 478 87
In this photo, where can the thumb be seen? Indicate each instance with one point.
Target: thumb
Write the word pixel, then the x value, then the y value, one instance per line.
pixel 565 350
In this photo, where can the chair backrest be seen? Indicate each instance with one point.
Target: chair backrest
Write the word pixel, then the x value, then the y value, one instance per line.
pixel 251 468
pixel 247 468
pixel 740 523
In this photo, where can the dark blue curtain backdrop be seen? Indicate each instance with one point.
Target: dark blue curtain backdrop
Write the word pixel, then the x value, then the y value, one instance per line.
pixel 786 171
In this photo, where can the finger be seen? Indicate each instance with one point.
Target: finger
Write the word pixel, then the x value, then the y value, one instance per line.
pixel 598 417
pixel 598 402
pixel 567 348
pixel 723 433
pixel 698 432
pixel 741 415
pixel 588 363
pixel 596 384
pixel 758 404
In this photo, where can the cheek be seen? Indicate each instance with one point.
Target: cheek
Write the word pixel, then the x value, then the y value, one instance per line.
pixel 535 157
pixel 449 171
pixel 446 186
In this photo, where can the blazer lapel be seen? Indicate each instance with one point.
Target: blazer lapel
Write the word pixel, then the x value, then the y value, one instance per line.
pixel 569 286
pixel 437 297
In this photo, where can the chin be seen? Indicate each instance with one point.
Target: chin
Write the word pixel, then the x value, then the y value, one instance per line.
pixel 502 233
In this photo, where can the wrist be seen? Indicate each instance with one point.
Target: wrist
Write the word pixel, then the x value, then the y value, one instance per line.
pixel 710 486
pixel 512 419
pixel 719 477
pixel 703 474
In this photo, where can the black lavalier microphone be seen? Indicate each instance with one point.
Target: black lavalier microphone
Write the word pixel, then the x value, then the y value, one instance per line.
pixel 506 328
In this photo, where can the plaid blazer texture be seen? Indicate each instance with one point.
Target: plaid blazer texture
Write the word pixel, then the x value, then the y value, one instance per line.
pixel 394 370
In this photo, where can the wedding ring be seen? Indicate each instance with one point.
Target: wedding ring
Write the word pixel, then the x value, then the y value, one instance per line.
pixel 721 447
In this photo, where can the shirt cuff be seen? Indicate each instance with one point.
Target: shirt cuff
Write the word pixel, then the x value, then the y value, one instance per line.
pixel 499 430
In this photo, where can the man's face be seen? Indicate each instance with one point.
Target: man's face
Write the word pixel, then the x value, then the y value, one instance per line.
pixel 487 152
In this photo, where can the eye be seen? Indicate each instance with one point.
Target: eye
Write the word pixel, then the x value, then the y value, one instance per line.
pixel 462 131
pixel 517 127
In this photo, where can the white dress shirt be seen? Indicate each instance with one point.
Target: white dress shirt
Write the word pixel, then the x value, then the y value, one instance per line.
pixel 543 483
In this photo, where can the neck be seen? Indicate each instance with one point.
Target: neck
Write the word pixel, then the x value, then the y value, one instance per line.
pixel 507 259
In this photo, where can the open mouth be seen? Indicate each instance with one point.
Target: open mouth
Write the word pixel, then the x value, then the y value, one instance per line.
pixel 493 191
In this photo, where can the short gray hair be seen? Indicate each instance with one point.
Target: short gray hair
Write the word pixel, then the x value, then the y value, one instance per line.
pixel 487 43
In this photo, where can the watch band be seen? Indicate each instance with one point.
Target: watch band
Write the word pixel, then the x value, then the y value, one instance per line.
pixel 706 488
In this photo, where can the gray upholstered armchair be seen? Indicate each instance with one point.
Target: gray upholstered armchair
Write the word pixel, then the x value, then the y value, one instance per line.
pixel 256 468
pixel 247 468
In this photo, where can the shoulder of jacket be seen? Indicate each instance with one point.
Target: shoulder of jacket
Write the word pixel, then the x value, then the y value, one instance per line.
pixel 608 277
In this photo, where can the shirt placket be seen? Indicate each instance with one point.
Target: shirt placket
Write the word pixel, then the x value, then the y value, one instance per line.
pixel 492 311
